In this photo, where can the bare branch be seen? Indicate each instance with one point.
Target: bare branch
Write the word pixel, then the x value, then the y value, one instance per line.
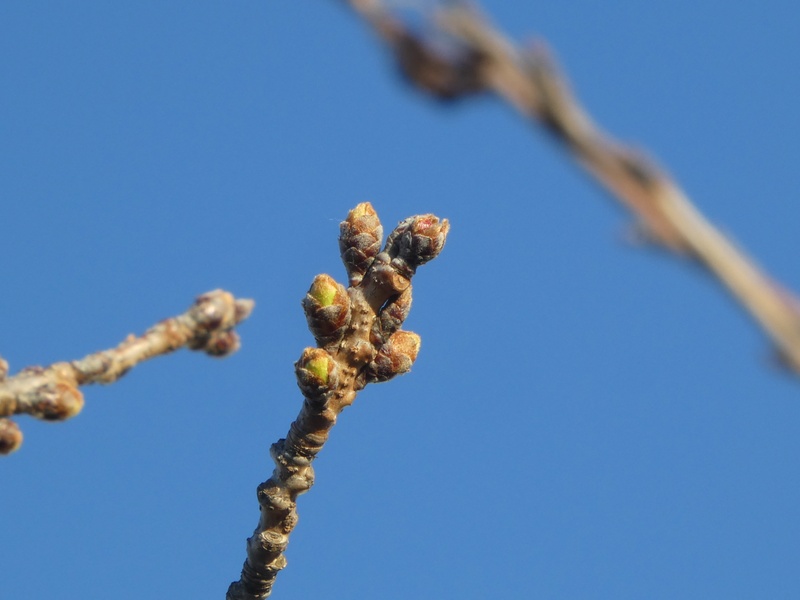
pixel 358 342
pixel 462 54
pixel 51 393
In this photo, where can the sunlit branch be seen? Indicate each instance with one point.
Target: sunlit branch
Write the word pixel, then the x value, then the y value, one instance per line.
pixel 51 393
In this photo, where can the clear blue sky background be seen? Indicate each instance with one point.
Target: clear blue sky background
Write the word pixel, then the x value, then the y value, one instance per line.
pixel 585 420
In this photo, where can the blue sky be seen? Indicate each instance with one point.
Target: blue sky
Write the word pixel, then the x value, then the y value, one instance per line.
pixel 585 419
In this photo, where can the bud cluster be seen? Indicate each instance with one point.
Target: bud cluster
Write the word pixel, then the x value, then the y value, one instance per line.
pixel 358 329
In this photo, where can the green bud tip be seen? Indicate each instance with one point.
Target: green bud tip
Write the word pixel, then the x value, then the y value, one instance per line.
pixel 323 290
pixel 319 367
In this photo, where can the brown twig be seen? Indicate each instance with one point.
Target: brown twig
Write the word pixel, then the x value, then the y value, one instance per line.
pixel 359 341
pixel 478 58
pixel 51 393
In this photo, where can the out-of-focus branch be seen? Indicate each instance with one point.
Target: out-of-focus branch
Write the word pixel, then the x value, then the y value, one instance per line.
pixel 51 393
pixel 461 54
pixel 359 341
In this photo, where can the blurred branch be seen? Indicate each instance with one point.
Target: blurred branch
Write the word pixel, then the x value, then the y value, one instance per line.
pixel 359 341
pixel 460 54
pixel 51 393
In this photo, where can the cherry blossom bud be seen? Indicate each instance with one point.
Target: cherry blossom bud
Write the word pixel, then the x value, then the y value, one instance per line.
pixel 392 316
pixel 395 357
pixel 316 373
pixel 416 241
pixel 327 308
pixel 360 240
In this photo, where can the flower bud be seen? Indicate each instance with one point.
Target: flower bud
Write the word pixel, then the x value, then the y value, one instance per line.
pixel 3 368
pixel 57 402
pixel 327 308
pixel 392 316
pixel 316 372
pixel 360 237
pixel 222 343
pixel 215 310
pixel 395 357
pixel 10 436
pixel 416 241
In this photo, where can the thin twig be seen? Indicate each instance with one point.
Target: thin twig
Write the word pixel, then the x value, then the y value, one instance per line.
pixel 51 393
pixel 480 59
pixel 359 339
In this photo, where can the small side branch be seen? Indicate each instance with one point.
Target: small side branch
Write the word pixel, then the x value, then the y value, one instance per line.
pixel 359 341
pixel 461 54
pixel 52 394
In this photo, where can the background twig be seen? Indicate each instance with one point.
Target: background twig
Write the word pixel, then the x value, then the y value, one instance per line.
pixel 463 54
pixel 51 393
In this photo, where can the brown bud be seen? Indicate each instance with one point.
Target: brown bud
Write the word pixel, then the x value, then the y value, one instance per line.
pixel 392 316
pixel 395 357
pixel 10 436
pixel 327 308
pixel 216 310
pixel 316 373
pixel 222 343
pixel 242 308
pixel 448 71
pixel 415 241
pixel 57 402
pixel 360 236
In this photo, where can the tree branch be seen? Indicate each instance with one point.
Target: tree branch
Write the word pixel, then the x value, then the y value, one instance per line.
pixel 51 393
pixel 461 54
pixel 359 341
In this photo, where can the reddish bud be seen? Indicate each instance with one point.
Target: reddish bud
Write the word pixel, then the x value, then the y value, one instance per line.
pixel 395 357
pixel 416 241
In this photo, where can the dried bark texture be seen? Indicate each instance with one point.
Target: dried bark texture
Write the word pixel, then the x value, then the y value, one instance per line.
pixel 359 341
pixel 461 54
pixel 51 393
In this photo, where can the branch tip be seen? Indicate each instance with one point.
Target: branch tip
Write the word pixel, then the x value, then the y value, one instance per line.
pixel 360 341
